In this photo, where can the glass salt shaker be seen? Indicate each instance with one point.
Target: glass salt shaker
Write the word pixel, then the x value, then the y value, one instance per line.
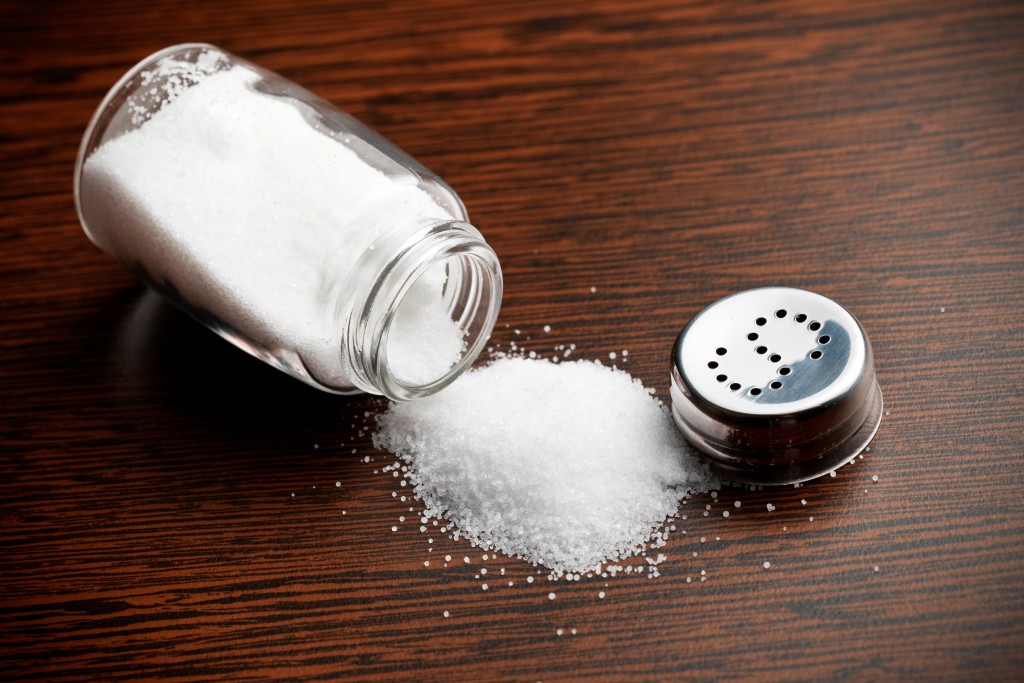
pixel 286 226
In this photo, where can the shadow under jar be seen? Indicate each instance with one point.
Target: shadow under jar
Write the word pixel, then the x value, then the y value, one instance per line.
pixel 286 226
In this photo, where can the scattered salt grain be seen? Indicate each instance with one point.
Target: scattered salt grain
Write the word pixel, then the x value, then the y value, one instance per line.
pixel 551 596
pixel 565 465
pixel 767 564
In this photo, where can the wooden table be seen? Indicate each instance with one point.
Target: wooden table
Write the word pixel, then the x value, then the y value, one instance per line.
pixel 171 508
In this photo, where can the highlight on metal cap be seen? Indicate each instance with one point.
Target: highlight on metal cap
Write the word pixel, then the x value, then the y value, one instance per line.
pixel 775 386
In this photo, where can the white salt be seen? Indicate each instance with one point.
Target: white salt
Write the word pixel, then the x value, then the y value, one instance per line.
pixel 255 216
pixel 566 465
pixel 425 342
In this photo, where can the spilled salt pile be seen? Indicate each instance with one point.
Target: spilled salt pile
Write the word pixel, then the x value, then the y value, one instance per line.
pixel 566 465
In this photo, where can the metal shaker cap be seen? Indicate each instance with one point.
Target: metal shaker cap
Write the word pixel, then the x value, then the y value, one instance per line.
pixel 775 386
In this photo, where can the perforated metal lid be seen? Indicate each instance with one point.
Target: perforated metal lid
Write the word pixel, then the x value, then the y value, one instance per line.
pixel 775 386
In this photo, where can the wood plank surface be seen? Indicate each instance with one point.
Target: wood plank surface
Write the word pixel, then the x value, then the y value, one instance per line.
pixel 173 509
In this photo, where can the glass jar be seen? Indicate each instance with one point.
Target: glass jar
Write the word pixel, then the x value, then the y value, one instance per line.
pixel 286 226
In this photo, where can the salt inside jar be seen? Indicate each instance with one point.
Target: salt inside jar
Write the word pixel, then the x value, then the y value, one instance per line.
pixel 286 226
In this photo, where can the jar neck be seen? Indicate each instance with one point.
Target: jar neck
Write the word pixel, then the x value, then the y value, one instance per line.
pixel 419 309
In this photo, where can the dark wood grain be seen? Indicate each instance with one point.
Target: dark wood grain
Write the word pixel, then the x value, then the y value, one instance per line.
pixel 169 507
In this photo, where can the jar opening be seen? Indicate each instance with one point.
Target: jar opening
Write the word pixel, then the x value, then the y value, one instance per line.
pixel 430 314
